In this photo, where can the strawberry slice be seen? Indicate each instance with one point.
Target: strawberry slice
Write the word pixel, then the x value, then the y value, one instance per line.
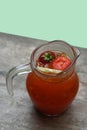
pixel 61 62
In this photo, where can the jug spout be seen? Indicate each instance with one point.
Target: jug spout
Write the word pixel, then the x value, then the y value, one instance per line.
pixel 77 53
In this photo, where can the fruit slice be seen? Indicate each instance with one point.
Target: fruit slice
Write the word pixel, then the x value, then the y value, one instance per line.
pixel 48 70
pixel 61 62
pixel 46 57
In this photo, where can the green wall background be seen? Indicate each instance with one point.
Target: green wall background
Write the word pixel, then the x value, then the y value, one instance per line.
pixel 46 19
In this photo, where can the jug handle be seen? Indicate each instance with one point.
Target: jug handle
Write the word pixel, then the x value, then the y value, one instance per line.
pixel 18 70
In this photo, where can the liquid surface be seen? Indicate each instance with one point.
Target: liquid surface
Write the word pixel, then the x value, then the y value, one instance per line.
pixel 53 60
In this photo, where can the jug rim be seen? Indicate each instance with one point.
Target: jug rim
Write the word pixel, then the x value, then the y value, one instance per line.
pixel 62 72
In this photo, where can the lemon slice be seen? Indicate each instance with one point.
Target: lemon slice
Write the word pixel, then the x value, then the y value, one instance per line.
pixel 48 70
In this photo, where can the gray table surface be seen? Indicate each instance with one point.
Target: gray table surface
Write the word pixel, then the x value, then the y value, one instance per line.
pixel 18 113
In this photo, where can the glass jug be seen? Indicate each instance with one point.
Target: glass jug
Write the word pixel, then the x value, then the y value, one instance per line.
pixel 51 94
